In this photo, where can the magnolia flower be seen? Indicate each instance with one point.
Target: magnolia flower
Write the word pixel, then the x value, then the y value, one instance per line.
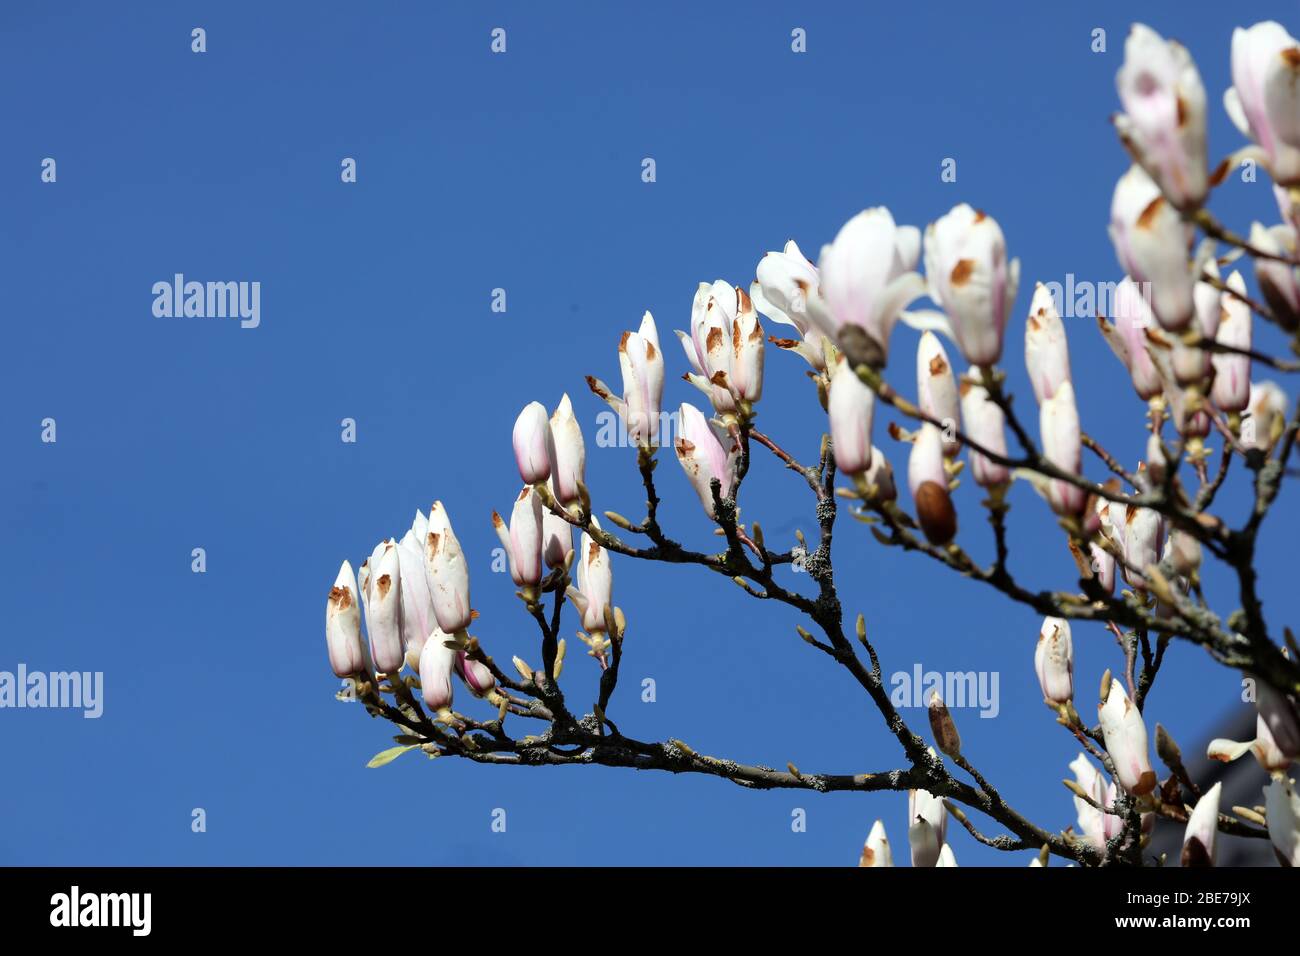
pixel 384 608
pixel 1282 809
pixel 1191 364
pixel 1186 410
pixel 436 663
pixel 1202 828
pixel 1127 338
pixel 1054 660
pixel 1288 204
pixel 969 277
pixel 1264 100
pixel 850 407
pixel 1047 353
pixel 706 452
pixel 446 572
pixel 936 386
pixel 986 426
pixel 867 277
pixel 927 826
pixel 1141 544
pixel 557 539
pixel 928 481
pixel 946 857
pixel 532 441
pixel 1163 125
pixel 343 625
pixel 477 677
pixel 1126 741
pixel 569 453
pixel 875 852
pixel 1279 282
pixel 1266 418
pixel 595 591
pixel 725 346
pixel 785 283
pixel 1265 748
pixel 879 478
pixel 1183 552
pixel 522 541
pixel 1151 241
pixel 1062 445
pixel 1278 712
pixel 417 604
pixel 1110 517
pixel 1231 389
pixel 642 364
pixel 1091 820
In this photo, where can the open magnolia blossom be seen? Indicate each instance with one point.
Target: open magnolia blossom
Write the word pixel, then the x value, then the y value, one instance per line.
pixel 1135 540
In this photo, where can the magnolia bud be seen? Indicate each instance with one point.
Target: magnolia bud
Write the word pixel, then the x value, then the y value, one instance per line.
pixel 1090 781
pixel 880 476
pixel 417 606
pixel 1151 241
pixel 850 407
pixel 1264 100
pixel 1054 660
pixel 705 452
pixel 594 592
pixel 945 732
pixel 985 425
pixel 1126 741
pixel 1278 713
pixel 1047 354
pixel 642 364
pixel 876 850
pixel 928 482
pixel 1231 389
pixel 436 662
pixel 1267 416
pixel 1184 552
pixel 946 857
pixel 343 625
pixel 927 826
pixel 784 285
pixel 936 387
pixel 446 572
pixel 1202 828
pixel 557 539
pixel 477 677
pixel 1278 281
pixel 569 460
pixel 747 350
pixel 1282 806
pixel 1127 338
pixel 1141 543
pixel 532 441
pixel 523 540
pixel 1062 446
pixel 384 611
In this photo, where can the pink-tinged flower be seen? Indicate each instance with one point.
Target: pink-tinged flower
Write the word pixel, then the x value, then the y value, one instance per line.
pixel 642 364
pixel 969 277
pixel 850 407
pixel 1141 544
pixel 786 282
pixel 1264 424
pixel 1191 420
pixel 1202 828
pixel 417 605
pixel 343 625
pixel 927 826
pixel 569 461
pixel 1279 282
pixel 867 277
pixel 928 481
pixel 936 385
pixel 1151 241
pixel 532 441
pixel 1127 338
pixel 1054 660
pixel 1191 365
pixel 1047 352
pixel 876 852
pixel 384 608
pixel 436 663
pixel 1282 810
pixel 523 539
pixel 1231 390
pixel 1058 421
pixel 595 591
pixel 986 425
pixel 1264 99
pixel 880 476
pixel 746 350
pixel 476 675
pixel 446 572
pixel 1265 749
pixel 1163 125
pixel 706 452
pixel 1126 741
pixel 710 347
pixel 557 539
pixel 1091 820
pixel 1110 515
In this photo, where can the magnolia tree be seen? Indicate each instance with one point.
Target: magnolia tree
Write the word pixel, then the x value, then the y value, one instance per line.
pixel 1181 324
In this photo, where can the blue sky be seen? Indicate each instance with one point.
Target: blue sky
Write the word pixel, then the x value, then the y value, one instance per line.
pixel 520 171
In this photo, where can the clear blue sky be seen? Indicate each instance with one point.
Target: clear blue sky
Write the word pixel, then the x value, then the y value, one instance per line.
pixel 519 171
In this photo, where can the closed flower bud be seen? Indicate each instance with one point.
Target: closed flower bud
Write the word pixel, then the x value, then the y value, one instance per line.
pixel 747 350
pixel 850 407
pixel 522 541
pixel 446 572
pixel 1264 100
pixel 927 826
pixel 595 589
pixel 384 611
pixel 867 277
pixel 946 857
pixel 969 276
pixel 1126 741
pixel 1091 819
pixel 985 424
pixel 1062 446
pixel 557 539
pixel 709 346
pixel 928 482
pixel 880 476
pixel 1184 553
pixel 569 461
pixel 417 606
pixel 1151 241
pixel 936 386
pixel 532 441
pixel 1279 282
pixel 436 663
pixel 476 676
pixel 1282 806
pixel 642 364
pixel 1054 660
pixel 1231 390
pixel 1163 123
pixel 1127 338
pixel 343 625
pixel 706 453
pixel 946 737
pixel 1141 543
pixel 1103 566
pixel 1264 424
pixel 786 282
pixel 876 850
pixel 1047 353
pixel 1202 828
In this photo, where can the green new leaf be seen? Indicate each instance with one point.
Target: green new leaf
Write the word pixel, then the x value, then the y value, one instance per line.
pixel 388 756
